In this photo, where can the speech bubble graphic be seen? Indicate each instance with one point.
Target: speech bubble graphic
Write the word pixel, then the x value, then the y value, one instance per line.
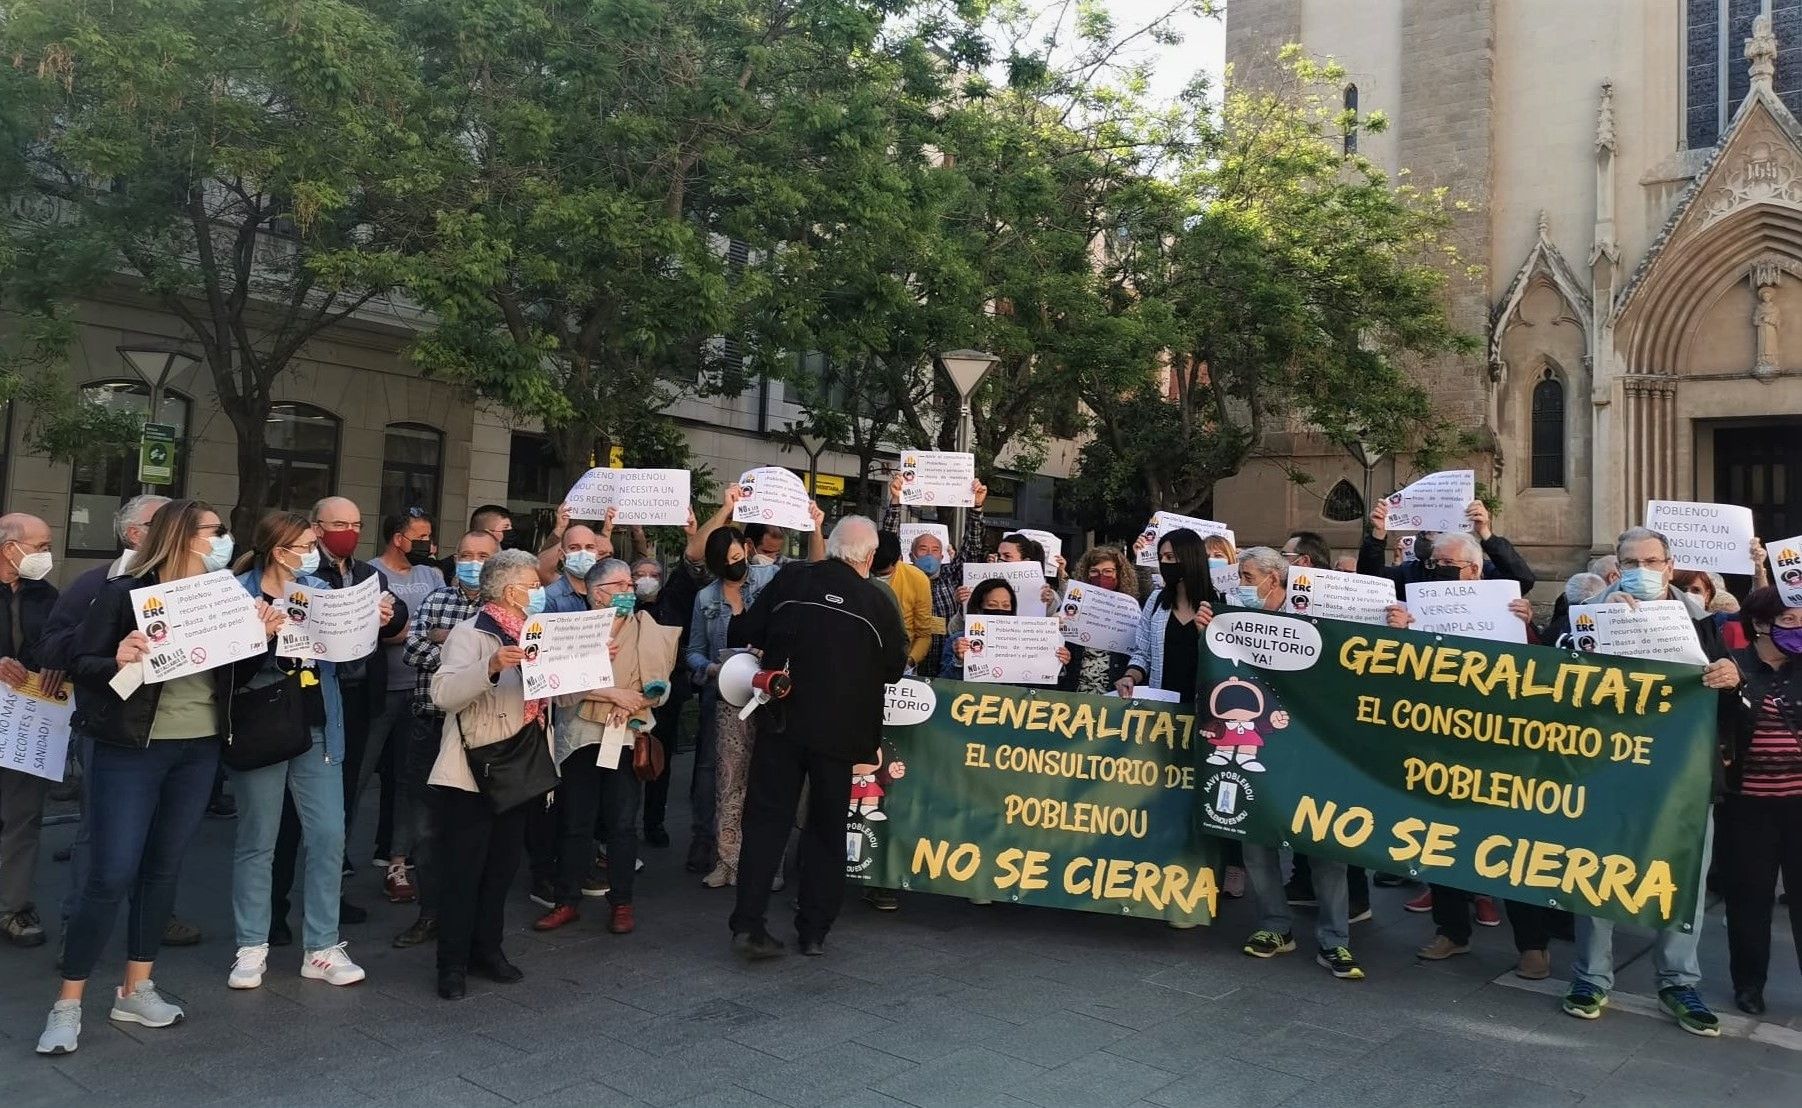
pixel 1265 640
pixel 908 702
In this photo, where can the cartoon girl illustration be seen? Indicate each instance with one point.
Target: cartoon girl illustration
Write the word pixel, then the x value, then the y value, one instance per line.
pixel 1237 705
pixel 868 780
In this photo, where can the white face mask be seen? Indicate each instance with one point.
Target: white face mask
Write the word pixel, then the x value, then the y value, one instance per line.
pixel 35 567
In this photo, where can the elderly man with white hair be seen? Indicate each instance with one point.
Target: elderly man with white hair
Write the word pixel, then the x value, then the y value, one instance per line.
pixel 841 641
pixel 1495 556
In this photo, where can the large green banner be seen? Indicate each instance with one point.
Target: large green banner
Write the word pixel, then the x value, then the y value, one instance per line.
pixel 1573 780
pixel 997 792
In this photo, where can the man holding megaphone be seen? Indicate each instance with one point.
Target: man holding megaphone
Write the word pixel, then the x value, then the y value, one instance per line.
pixel 827 643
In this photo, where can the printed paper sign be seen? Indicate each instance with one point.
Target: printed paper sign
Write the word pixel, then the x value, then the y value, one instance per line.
pixel 655 497
pixel 1145 548
pixel 1224 578
pixel 1786 569
pixel 1475 609
pixel 1052 545
pixel 1658 631
pixel 1404 548
pixel 773 495
pixel 1331 595
pixel 331 625
pixel 938 478
pixel 1146 692
pixel 1100 619
pixel 1436 502
pixel 566 652
pixel 34 729
pixel 912 531
pixel 1708 537
pixel 1012 650
pixel 196 624
pixel 1027 578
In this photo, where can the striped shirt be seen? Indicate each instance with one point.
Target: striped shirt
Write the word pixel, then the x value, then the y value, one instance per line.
pixel 440 611
pixel 1773 765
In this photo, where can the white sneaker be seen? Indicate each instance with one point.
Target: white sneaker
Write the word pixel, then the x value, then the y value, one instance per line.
pixel 331 966
pixel 247 971
pixel 62 1031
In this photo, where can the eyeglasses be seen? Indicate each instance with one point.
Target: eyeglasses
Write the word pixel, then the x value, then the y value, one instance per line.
pixel 614 586
pixel 1290 554
pixel 1441 563
pixel 299 548
pixel 1644 563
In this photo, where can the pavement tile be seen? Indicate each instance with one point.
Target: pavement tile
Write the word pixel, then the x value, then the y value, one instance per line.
pixel 1304 1050
pixel 671 1079
pixel 1501 1090
pixel 1097 1078
pixel 1057 1038
pixel 587 1094
pixel 809 1027
pixel 826 1076
pixel 925 1031
pixel 449 1091
pixel 1228 1083
pixel 972 1076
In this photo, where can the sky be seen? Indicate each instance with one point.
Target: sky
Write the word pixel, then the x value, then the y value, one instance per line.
pixel 1203 47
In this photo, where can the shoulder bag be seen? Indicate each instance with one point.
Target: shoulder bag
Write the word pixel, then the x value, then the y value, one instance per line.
pixel 513 771
pixel 268 722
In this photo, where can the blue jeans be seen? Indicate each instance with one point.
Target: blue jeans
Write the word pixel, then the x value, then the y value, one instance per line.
pixel 318 789
pixel 1675 956
pixel 146 805
pixel 81 851
pixel 1264 872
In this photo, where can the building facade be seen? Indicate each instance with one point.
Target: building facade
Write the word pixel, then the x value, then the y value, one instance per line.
pixel 1634 175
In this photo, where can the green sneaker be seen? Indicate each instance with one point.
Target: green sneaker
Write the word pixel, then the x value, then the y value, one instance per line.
pixel 1584 1001
pixel 1268 944
pixel 1692 1015
pixel 1340 961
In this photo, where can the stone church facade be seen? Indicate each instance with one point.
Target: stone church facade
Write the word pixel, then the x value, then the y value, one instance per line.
pixel 1634 175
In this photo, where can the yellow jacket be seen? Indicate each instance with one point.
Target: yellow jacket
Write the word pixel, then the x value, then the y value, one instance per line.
pixel 913 589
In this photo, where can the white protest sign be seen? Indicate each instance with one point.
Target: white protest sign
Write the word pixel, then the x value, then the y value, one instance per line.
pixel 34 729
pixel 1051 544
pixel 657 497
pixel 1146 692
pixel 907 702
pixel 773 495
pixel 1264 639
pixel 1436 502
pixel 938 478
pixel 1786 569
pixel 1100 619
pixel 1475 609
pixel 196 624
pixel 1330 595
pixel 1224 578
pixel 1404 548
pixel 566 652
pixel 912 531
pixel 1014 650
pixel 1145 549
pixel 331 625
pixel 1658 630
pixel 1707 537
pixel 1027 578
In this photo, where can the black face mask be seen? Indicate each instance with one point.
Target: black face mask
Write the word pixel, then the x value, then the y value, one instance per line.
pixel 1171 573
pixel 419 553
pixel 512 540
pixel 1443 573
pixel 735 571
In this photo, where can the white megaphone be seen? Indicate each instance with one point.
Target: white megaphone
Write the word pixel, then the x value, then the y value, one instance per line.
pixel 747 686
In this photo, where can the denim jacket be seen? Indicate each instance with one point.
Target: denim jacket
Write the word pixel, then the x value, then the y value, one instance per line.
pixel 252 580
pixel 707 630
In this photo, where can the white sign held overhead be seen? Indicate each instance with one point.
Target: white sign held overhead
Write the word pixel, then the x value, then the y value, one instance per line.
pixel 1658 631
pixel 1050 543
pixel 1013 650
pixel 195 624
pixel 1099 619
pixel 1474 609
pixel 938 478
pixel 1710 537
pixel 1027 578
pixel 645 497
pixel 1145 548
pixel 773 495
pixel 1436 502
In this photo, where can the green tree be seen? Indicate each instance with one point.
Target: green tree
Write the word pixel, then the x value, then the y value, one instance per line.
pixel 253 167
pixel 1299 282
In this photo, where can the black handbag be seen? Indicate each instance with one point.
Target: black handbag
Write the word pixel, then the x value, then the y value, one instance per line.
pixel 268 722
pixel 513 771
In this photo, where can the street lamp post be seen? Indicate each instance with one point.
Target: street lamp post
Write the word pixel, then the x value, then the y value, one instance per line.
pixel 966 368
pixel 154 365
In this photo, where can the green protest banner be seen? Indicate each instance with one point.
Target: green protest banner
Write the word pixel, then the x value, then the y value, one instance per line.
pixel 998 792
pixel 1572 780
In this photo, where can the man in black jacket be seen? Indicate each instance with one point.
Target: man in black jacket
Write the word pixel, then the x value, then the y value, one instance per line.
pixel 842 642
pixel 1501 562
pixel 25 604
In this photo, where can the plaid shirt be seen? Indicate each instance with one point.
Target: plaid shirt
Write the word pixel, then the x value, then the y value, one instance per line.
pixel 946 581
pixel 441 611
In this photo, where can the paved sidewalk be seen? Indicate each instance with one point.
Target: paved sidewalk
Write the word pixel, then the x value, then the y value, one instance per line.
pixel 942 1003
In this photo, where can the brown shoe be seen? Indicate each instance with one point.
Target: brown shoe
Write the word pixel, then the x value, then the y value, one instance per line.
pixel 1535 965
pixel 400 890
pixel 557 917
pixel 180 933
pixel 1441 948
pixel 622 921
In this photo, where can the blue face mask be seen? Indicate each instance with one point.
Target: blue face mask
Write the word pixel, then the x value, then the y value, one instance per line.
pixel 309 564
pixel 469 574
pixel 624 603
pixel 1643 584
pixel 928 564
pixel 534 600
pixel 219 553
pixel 1216 563
pixel 577 563
pixel 1246 596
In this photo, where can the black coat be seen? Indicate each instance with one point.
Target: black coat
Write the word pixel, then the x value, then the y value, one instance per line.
pixel 1501 562
pixel 93 664
pixel 373 668
pixel 1740 707
pixel 30 602
pixel 842 641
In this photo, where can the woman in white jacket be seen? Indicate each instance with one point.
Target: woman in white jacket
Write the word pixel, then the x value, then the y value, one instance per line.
pixel 477 687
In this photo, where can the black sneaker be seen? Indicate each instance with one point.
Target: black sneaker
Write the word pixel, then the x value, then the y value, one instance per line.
pixel 883 900
pixel 1358 913
pixel 700 856
pixel 656 836
pixel 22 928
pixel 1300 894
pixel 1685 1004
pixel 1341 962
pixel 544 894
pixel 756 947
pixel 1388 880
pixel 1268 944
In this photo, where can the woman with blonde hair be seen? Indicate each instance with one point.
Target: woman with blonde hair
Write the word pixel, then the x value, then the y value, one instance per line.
pixel 1095 672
